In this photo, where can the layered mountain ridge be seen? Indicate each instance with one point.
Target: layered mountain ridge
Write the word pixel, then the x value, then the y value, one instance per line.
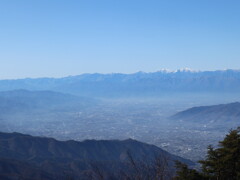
pixel 136 84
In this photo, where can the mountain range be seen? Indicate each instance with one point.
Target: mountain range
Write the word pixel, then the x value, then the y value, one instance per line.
pixel 27 157
pixel 136 84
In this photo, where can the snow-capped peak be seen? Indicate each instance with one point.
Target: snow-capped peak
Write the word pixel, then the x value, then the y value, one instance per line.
pixel 178 70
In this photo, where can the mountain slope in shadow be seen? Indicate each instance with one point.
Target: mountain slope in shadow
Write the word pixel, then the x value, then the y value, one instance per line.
pixel 27 157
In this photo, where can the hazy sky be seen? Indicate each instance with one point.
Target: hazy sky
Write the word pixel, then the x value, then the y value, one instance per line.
pixel 57 38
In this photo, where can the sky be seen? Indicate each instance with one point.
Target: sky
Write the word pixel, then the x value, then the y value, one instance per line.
pixel 57 38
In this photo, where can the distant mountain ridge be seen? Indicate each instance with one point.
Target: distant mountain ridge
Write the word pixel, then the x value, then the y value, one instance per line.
pixel 136 84
pixel 222 114
pixel 35 157
pixel 24 100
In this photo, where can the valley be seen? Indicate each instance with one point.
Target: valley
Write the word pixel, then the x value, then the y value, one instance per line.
pixel 146 120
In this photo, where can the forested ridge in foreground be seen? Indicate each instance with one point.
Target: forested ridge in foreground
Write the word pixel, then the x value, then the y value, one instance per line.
pixel 27 157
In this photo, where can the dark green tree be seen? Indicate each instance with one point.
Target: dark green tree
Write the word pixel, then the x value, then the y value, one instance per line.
pixel 212 167
pixel 222 163
pixel 184 173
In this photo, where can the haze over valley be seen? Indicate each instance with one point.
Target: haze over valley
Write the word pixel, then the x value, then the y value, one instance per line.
pixel 153 117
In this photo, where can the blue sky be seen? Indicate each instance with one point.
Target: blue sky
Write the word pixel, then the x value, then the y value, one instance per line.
pixel 56 38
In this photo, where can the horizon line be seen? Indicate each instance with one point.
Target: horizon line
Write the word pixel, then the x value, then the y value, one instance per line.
pixel 183 70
